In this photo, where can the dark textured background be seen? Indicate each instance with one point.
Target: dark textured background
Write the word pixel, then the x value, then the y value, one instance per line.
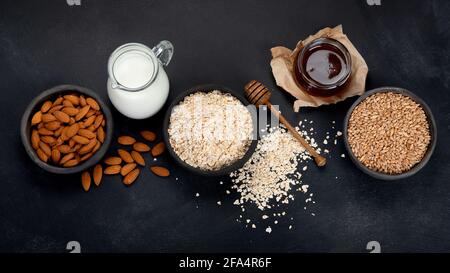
pixel 46 43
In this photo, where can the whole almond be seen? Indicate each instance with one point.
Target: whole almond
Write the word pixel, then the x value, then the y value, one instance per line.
pixel 101 134
pixel 86 133
pixel 86 180
pixel 72 130
pixel 138 158
pixel 80 139
pixel 82 101
pixel 45 148
pixel 71 111
pixel 115 169
pixel 72 143
pixel 89 121
pixel 58 131
pixel 48 117
pixel 82 112
pixel 65 149
pixel 113 160
pixel 58 101
pixel 97 147
pixel 56 155
pixel 67 103
pixel 126 156
pixel 98 121
pixel 91 102
pixel 148 135
pixel 37 118
pixel 42 156
pixel 86 156
pixel 131 177
pixel 48 139
pixel 141 147
pixel 158 149
pixel 45 132
pixel 73 99
pixel 55 108
pixel 97 174
pixel 88 147
pixel 66 158
pixel 90 113
pixel 46 106
pixel 52 125
pixel 71 163
pixel 126 169
pixel 77 147
pixel 35 139
pixel 126 140
pixel 61 116
pixel 160 171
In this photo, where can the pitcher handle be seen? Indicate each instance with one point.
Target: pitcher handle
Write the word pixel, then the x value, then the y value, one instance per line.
pixel 164 52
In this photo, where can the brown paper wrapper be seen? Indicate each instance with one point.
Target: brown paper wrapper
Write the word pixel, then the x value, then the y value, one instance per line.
pixel 282 69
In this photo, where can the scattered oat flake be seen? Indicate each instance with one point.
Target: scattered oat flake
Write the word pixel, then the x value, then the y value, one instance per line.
pixel 269 229
pixel 343 155
pixel 219 203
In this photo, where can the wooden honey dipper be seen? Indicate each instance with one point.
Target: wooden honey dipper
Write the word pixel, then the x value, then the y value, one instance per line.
pixel 258 94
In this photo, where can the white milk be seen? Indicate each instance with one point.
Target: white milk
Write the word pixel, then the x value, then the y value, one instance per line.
pixel 138 86
pixel 133 69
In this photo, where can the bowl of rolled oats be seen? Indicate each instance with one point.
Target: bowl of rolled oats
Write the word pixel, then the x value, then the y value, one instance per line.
pixel 210 130
pixel 390 133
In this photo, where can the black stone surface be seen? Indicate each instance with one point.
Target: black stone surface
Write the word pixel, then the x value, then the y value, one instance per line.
pixel 46 43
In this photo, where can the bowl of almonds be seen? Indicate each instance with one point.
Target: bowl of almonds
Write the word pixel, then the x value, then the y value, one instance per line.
pixel 66 129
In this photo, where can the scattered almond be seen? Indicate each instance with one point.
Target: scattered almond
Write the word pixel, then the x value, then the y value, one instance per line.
pixel 131 177
pixel 126 169
pixel 141 147
pixel 148 135
pixel 97 174
pixel 138 158
pixel 115 169
pixel 126 140
pixel 160 171
pixel 126 156
pixel 113 160
pixel 158 149
pixel 86 180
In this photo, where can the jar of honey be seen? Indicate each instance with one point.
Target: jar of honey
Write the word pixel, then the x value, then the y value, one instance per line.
pixel 323 67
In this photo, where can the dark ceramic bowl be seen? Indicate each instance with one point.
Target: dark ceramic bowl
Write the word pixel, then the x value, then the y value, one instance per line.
pixel 51 94
pixel 431 146
pixel 226 170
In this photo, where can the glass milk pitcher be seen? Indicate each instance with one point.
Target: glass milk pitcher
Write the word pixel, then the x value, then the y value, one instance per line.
pixel 138 85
